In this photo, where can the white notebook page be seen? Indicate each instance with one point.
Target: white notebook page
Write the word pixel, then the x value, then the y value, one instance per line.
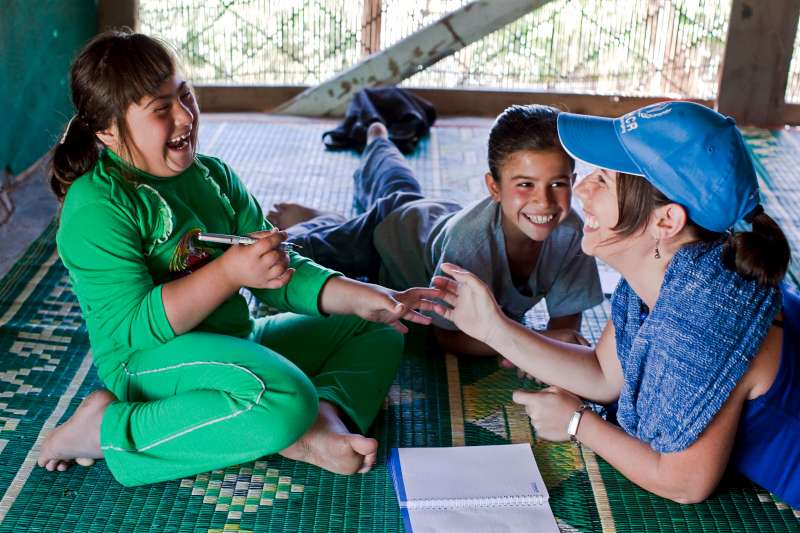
pixel 472 472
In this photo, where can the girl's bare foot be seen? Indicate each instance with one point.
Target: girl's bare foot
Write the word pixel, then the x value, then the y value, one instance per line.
pixel 77 439
pixel 376 130
pixel 287 214
pixel 329 445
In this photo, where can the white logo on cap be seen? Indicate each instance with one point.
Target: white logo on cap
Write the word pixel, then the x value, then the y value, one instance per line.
pixel 656 110
pixel 628 123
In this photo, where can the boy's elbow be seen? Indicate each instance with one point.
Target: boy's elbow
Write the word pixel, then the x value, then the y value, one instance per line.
pixel 447 339
pixel 459 343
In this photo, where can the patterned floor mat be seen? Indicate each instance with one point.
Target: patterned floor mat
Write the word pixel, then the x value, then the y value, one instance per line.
pixel 437 400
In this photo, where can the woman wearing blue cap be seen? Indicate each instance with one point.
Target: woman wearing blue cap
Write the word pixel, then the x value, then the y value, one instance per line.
pixel 700 351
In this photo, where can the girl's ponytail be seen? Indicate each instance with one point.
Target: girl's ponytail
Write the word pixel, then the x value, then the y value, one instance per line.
pixel 762 254
pixel 74 155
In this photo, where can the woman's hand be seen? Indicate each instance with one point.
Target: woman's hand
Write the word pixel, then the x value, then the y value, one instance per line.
pixel 550 411
pixel 375 303
pixel 261 265
pixel 473 308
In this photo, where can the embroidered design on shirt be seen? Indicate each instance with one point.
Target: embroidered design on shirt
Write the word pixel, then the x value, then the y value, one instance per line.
pixel 226 202
pixel 166 216
pixel 189 255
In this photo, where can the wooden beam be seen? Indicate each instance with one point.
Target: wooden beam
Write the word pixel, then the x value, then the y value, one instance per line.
pixel 410 55
pixel 448 102
pixel 116 14
pixel 244 98
pixel 490 103
pixel 370 27
pixel 755 68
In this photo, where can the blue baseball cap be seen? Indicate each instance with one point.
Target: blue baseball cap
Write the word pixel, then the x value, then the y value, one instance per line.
pixel 692 154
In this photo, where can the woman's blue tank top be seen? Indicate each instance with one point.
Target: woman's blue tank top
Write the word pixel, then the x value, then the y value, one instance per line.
pixel 767 446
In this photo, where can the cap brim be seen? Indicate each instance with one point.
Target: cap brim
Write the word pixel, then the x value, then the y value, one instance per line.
pixel 594 140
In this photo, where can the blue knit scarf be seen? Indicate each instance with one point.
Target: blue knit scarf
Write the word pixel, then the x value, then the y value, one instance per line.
pixel 681 361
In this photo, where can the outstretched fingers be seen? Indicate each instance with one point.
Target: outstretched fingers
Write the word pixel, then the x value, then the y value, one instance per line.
pixel 415 300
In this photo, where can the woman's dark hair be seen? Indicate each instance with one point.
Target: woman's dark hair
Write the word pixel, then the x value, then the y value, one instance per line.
pixel 523 127
pixel 115 69
pixel 761 254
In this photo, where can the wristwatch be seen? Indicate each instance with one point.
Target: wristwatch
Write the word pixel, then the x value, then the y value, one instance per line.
pixel 572 427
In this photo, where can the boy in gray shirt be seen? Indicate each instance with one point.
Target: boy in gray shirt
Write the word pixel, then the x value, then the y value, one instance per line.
pixel 523 240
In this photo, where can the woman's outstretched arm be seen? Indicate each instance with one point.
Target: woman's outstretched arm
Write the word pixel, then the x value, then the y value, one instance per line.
pixel 687 476
pixel 592 373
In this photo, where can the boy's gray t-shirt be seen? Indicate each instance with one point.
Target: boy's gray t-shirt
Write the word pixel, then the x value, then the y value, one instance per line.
pixel 418 237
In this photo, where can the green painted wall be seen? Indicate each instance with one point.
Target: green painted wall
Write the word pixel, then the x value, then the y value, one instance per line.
pixel 38 40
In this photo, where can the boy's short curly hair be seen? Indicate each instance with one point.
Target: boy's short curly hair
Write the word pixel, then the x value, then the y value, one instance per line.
pixel 523 127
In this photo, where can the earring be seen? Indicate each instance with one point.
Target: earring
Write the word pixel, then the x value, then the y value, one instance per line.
pixel 657 255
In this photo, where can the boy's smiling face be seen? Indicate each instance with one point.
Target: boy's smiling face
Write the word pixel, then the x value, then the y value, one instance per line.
pixel 534 191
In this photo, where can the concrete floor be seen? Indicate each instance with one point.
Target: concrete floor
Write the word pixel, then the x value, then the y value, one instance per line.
pixel 35 208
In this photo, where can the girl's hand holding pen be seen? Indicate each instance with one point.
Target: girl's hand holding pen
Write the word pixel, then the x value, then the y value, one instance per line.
pixel 262 265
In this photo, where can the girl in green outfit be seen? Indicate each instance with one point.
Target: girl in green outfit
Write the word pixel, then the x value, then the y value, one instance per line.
pixel 194 383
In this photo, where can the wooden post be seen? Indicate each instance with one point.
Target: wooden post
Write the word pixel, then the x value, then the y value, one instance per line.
pixel 117 13
pixel 755 69
pixel 370 27
pixel 410 55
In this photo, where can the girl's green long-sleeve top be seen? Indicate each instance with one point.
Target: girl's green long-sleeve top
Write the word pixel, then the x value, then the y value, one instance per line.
pixel 124 234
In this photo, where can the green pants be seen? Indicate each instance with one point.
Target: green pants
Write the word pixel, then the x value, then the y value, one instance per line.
pixel 205 401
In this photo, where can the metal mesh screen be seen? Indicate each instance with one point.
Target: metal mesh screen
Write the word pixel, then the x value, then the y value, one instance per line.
pixel 624 47
pixel 278 42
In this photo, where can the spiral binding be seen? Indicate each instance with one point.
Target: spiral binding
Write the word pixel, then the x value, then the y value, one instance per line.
pixel 526 500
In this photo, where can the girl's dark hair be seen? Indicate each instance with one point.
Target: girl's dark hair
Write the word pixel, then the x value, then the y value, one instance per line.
pixel 115 69
pixel 523 127
pixel 761 254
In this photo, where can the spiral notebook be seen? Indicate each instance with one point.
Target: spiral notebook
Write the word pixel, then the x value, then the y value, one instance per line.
pixel 471 488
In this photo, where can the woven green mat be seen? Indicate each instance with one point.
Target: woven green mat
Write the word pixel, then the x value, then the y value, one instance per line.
pixel 437 400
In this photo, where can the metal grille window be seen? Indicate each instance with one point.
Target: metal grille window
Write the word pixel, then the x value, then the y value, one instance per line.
pixel 624 47
pixel 278 42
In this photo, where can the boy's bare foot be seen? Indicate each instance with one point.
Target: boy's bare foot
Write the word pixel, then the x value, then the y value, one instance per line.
pixel 77 439
pixel 376 130
pixel 287 214
pixel 329 445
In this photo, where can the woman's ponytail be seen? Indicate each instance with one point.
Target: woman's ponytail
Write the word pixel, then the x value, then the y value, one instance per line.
pixel 74 155
pixel 762 254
